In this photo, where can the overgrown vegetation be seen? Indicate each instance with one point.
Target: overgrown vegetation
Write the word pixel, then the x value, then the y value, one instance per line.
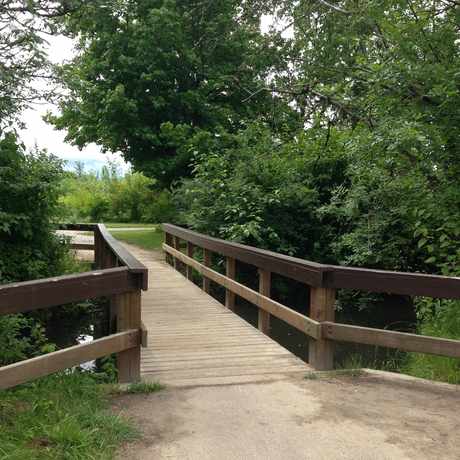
pixel 64 416
pixel 108 196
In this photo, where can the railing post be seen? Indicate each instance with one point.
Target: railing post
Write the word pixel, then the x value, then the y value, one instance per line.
pixel 176 241
pixel 97 249
pixel 129 317
pixel 190 251
pixel 321 351
pixel 264 289
pixel 230 272
pixel 207 263
pixel 169 242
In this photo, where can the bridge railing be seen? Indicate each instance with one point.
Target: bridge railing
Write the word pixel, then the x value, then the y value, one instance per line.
pixel 117 275
pixel 323 280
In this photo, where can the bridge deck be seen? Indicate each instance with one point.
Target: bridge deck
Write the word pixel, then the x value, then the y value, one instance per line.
pixel 193 339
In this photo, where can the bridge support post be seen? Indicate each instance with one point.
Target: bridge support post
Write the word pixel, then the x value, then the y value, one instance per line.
pixel 264 289
pixel 207 263
pixel 129 317
pixel 98 248
pixel 176 241
pixel 190 251
pixel 230 272
pixel 321 351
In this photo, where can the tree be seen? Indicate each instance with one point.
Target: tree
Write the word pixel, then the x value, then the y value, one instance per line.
pixel 151 74
pixel 23 26
pixel 29 189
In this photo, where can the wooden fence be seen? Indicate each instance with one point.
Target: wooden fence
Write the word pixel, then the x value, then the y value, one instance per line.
pixel 323 280
pixel 117 275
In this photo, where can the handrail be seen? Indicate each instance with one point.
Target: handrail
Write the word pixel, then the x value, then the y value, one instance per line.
pixel 123 255
pixel 118 275
pixel 324 275
pixel 119 251
pixel 49 292
pixel 323 280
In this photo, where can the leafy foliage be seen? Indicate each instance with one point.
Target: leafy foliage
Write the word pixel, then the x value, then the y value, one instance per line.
pixel 22 55
pixel 152 72
pixel 109 197
pixel 29 188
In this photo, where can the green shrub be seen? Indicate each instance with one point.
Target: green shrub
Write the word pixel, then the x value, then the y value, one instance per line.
pixel 29 188
pixel 108 197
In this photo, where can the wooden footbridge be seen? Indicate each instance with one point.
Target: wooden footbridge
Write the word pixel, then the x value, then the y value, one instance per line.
pixel 188 337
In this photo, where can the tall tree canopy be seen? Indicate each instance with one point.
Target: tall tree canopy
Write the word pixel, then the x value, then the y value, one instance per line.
pixel 151 74
pixel 24 26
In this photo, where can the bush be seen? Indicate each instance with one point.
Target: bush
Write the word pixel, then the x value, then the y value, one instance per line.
pixel 29 187
pixel 110 198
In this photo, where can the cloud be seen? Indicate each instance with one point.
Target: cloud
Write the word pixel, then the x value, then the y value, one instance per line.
pixel 39 133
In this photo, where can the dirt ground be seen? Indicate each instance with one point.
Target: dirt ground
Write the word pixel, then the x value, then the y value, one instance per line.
pixel 374 416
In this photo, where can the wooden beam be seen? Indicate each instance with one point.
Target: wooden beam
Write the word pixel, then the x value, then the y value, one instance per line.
pixel 123 255
pixel 321 351
pixel 412 284
pixel 265 290
pixel 391 339
pixel 176 242
pixel 207 263
pixel 77 227
pixel 190 251
pixel 291 267
pixel 230 271
pixel 24 371
pixel 144 335
pixel 33 295
pixel 82 246
pixel 327 276
pixel 295 319
pixel 129 317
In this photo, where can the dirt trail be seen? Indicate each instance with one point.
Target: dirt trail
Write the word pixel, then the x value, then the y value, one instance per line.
pixel 380 416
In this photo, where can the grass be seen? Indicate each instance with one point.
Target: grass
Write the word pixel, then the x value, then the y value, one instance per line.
pixel 146 239
pixel 128 225
pixel 139 388
pixel 316 375
pixel 64 416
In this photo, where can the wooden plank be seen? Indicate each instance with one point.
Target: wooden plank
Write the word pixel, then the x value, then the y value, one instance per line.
pixel 82 246
pixel 328 276
pixel 207 263
pixel 33 295
pixel 129 317
pixel 321 351
pixel 291 267
pixel 392 339
pixel 295 319
pixel 190 251
pixel 123 255
pixel 413 284
pixel 77 227
pixel 265 290
pixel 176 243
pixel 230 272
pixel 24 371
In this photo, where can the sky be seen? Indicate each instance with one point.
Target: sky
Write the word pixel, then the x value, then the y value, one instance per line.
pixel 39 133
